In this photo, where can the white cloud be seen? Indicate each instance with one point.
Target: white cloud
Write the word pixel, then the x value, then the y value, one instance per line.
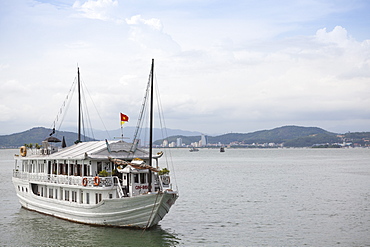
pixel 149 34
pixel 338 36
pixel 98 9
pixel 293 79
pixel 153 22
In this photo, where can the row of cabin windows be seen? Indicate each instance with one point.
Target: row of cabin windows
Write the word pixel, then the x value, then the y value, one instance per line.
pixel 142 176
pixel 69 195
pixel 63 168
pixel 23 189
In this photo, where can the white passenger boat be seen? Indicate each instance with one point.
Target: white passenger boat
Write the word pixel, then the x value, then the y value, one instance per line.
pixel 110 183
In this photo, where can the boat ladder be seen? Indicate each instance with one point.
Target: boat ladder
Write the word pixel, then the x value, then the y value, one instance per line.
pixel 119 188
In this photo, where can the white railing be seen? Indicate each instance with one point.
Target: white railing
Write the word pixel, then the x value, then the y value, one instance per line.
pixel 119 187
pixel 63 179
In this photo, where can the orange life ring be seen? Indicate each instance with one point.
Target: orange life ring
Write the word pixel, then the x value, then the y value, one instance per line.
pixel 84 181
pixel 96 181
pixel 23 151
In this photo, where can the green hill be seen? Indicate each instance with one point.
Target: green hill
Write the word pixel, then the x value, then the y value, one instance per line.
pixel 36 135
pixel 277 135
pixel 291 136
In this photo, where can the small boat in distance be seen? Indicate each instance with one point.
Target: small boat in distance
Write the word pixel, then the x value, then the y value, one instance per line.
pixel 193 149
pixel 107 183
pixel 222 149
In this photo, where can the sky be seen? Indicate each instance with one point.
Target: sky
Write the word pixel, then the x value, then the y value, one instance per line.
pixel 221 66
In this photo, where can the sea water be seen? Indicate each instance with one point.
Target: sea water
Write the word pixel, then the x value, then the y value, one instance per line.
pixel 242 197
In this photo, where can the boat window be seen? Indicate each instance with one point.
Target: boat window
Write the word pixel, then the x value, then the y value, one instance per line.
pixel 99 166
pixel 85 170
pixel 66 195
pixel 74 170
pixel 97 198
pixel 56 193
pixel 81 197
pixel 74 196
pixel 49 167
pixel 136 178
pixel 70 169
pixel 60 169
pixel 34 188
pixel 51 193
pixel 110 196
pixel 87 198
pixel 78 173
pixel 54 168
pixel 143 178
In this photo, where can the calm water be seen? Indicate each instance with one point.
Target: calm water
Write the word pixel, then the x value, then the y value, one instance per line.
pixel 277 197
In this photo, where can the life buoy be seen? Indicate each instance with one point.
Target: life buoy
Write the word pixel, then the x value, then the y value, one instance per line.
pixel 166 180
pixel 96 180
pixel 84 181
pixel 23 151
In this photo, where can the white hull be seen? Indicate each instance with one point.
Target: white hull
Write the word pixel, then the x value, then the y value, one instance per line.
pixel 142 211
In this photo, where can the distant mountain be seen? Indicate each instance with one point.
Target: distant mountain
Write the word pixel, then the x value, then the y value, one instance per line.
pixel 290 136
pixel 294 136
pixel 277 135
pixel 37 135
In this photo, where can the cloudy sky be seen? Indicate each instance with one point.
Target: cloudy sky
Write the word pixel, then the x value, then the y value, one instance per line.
pixel 221 66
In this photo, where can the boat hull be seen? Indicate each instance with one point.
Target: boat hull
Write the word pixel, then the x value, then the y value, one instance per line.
pixel 142 211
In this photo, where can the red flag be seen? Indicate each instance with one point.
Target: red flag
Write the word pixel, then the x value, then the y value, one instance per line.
pixel 124 118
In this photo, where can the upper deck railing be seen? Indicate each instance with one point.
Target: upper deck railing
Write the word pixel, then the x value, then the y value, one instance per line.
pixel 65 179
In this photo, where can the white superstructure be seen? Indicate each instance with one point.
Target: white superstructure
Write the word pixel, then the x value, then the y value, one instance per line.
pixel 97 182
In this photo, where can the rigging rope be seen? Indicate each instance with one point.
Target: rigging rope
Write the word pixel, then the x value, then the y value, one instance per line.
pixel 139 120
pixel 65 106
pixel 169 161
pixel 96 109
pixel 68 99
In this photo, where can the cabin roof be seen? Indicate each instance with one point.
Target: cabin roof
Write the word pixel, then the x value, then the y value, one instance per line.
pixel 98 150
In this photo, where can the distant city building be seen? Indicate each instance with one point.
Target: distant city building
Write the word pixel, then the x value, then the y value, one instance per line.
pixel 179 142
pixel 203 140
pixel 165 143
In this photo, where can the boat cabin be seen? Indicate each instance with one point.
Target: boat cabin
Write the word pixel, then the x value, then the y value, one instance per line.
pixel 74 172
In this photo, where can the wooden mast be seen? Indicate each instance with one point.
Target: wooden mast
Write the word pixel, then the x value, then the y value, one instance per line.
pixel 151 126
pixel 79 106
